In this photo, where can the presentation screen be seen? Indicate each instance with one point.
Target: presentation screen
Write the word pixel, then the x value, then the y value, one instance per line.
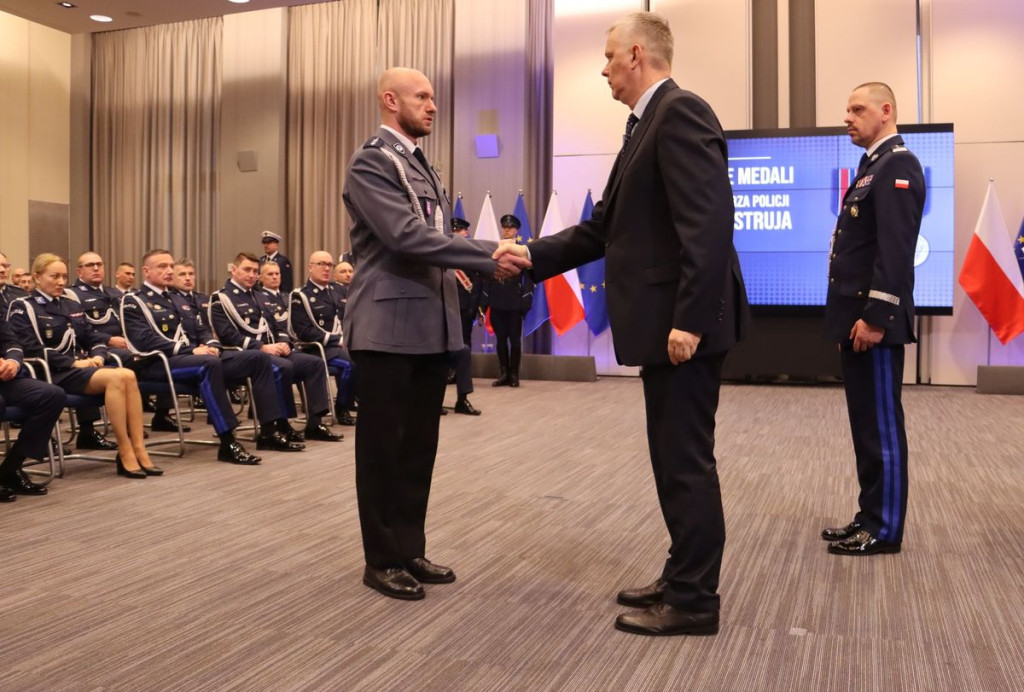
pixel 788 187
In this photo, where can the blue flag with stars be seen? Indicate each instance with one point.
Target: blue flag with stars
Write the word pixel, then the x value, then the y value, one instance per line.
pixel 592 283
pixel 458 213
pixel 1018 248
pixel 538 313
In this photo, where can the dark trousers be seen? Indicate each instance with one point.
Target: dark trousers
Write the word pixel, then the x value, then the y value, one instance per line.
pixel 681 403
pixel 41 402
pixel 874 384
pixel 400 399
pixel 309 370
pixel 462 362
pixel 468 320
pixel 508 329
pixel 256 366
pixel 208 373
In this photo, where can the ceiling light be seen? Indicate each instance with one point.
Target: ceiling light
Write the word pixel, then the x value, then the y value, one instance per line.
pixel 100 18
pixel 239 2
pixel 66 5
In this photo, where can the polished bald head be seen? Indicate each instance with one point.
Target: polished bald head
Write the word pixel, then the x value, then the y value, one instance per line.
pixel 406 101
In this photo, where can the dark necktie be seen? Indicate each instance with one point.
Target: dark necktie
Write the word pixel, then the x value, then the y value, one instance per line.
pixel 631 122
pixel 418 153
pixel 863 164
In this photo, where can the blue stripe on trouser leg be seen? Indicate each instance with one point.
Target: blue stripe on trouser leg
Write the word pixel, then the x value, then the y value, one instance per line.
pixel 888 442
pixel 344 380
pixel 280 385
pixel 895 491
pixel 202 373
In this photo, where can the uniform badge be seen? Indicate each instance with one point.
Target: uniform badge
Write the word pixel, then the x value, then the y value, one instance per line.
pixel 321 323
pixel 235 291
pixel 164 327
pixel 95 314
pixel 48 333
pixel 874 157
pixel 854 211
pixel 399 148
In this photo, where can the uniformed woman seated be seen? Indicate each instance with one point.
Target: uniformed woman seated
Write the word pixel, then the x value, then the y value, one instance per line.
pixel 49 326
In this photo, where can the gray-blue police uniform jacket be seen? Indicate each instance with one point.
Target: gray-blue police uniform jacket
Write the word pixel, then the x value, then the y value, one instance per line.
pixel 246 318
pixel 403 298
pixel 169 324
pixel 55 330
pixel 316 314
pixel 100 305
pixel 871 263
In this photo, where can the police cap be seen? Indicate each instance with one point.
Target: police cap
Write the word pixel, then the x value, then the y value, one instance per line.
pixel 510 221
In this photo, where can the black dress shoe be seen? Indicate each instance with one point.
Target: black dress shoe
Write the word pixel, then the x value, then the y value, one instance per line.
pixel 662 620
pixel 7 495
pixel 451 377
pixel 644 596
pixel 343 417
pixel 394 582
pixel 427 572
pixel 841 533
pixel 277 442
pixel 502 381
pixel 19 483
pixel 323 433
pixel 122 471
pixel 463 406
pixel 64 448
pixel 166 424
pixel 198 403
pixel 152 470
pixel 91 439
pixel 862 543
pixel 513 380
pixel 293 435
pixel 234 453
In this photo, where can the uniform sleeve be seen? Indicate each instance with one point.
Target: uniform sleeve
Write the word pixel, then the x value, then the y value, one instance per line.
pixel 899 194
pixel 227 332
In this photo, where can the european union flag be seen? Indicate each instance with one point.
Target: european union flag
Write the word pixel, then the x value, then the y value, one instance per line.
pixel 458 213
pixel 525 235
pixel 592 283
pixel 1018 248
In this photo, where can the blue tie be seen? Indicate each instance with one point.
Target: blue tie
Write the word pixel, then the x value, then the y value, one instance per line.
pixel 631 122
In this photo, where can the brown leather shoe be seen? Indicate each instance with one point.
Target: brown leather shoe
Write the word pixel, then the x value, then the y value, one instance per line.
pixel 841 533
pixel 427 572
pixel 393 582
pixel 662 620
pixel 644 596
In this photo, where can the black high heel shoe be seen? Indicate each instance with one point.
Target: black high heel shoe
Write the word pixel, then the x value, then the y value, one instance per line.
pixel 122 471
pixel 153 470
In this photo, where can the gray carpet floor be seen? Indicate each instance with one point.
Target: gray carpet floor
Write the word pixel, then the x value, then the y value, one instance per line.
pixel 217 577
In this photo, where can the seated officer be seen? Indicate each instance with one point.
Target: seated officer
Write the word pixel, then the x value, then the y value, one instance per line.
pixel 184 284
pixel 156 320
pixel 316 312
pixel 102 308
pixel 124 279
pixel 248 319
pixel 42 403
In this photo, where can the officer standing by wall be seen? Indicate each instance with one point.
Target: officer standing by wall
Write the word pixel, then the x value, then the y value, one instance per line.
pixel 509 301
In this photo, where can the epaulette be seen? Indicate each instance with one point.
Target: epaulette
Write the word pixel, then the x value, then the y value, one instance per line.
pixel 898 148
pixel 378 143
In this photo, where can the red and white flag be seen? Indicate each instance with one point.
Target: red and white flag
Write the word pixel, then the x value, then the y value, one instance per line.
pixel 565 302
pixel 991 275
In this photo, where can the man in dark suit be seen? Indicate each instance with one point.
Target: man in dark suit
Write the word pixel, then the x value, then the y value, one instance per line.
pixel 401 322
pixel 271 242
pixel 869 313
pixel 676 303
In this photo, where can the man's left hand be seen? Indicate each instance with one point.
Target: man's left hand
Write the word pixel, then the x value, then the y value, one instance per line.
pixel 682 345
pixel 864 335
pixel 8 369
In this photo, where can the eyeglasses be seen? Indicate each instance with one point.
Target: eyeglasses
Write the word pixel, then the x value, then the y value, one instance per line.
pixel 91 265
pixel 325 265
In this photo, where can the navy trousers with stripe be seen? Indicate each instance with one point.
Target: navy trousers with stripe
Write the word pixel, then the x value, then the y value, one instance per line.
pixel 874 385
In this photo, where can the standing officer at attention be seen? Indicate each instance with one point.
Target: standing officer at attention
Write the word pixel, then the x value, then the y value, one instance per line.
pixel 401 322
pixel 470 285
pixel 246 319
pixel 869 312
pixel 676 303
pixel 271 242
pixel 509 301
pixel 316 312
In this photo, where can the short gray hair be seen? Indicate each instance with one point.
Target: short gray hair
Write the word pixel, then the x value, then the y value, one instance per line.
pixel 651 31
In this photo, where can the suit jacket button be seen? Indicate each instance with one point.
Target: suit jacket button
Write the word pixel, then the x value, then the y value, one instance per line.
pixel 860 294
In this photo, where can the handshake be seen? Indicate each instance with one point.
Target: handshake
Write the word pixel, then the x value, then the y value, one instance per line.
pixel 512 260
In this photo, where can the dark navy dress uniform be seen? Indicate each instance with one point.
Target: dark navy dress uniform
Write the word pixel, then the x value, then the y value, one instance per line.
pixel 8 294
pixel 316 314
pixel 871 277
pixel 41 401
pixel 247 319
pixel 287 273
pixel 162 321
pixel 55 330
pixel 199 301
pixel 509 301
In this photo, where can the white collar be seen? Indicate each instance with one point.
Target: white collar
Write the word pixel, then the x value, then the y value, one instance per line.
pixel 409 144
pixel 159 291
pixel 877 145
pixel 645 98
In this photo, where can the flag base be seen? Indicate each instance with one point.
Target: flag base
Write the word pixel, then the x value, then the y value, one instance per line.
pixel 1000 379
pixel 540 367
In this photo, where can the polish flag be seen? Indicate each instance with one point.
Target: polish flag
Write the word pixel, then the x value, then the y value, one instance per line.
pixel 565 302
pixel 991 275
pixel 487 229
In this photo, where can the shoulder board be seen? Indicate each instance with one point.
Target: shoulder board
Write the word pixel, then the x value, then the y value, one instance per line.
pixel 378 143
pixel 899 148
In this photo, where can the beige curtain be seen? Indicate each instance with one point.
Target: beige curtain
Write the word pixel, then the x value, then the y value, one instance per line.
pixel 332 82
pixel 155 131
pixel 421 34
